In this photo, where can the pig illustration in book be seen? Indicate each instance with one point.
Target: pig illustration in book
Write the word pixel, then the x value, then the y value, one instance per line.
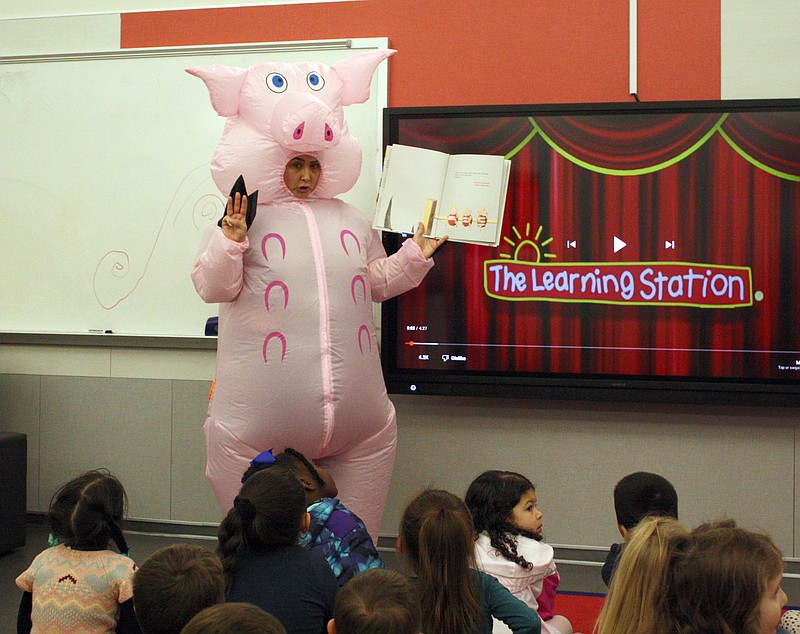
pixel 297 355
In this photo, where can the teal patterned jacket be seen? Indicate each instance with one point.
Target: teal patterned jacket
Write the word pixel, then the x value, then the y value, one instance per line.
pixel 341 538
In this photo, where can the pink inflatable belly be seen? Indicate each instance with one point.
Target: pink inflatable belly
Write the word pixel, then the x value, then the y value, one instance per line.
pixel 298 345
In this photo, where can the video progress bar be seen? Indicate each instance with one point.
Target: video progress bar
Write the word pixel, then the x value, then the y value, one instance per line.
pixel 618 348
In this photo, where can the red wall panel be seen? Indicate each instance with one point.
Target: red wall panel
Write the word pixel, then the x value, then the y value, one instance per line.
pixel 484 52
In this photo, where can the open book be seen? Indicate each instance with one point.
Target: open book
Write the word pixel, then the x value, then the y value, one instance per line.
pixel 462 196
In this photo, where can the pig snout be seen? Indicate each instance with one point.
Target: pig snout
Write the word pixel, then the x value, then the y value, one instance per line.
pixel 303 123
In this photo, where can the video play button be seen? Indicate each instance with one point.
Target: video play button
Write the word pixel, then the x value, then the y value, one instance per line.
pixel 618 244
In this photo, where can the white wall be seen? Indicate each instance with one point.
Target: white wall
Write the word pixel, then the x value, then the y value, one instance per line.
pixel 760 49
pixel 14 9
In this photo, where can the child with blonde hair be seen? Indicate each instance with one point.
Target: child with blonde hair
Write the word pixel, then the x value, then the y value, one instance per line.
pixel 716 579
pixel 635 600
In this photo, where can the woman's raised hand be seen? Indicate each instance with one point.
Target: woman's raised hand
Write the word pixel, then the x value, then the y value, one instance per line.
pixel 428 245
pixel 234 224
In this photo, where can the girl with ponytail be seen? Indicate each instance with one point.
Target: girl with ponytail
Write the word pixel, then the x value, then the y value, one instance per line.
pixel 79 584
pixel 263 563
pixel 436 535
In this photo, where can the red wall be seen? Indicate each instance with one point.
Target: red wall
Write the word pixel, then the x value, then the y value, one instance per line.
pixel 484 51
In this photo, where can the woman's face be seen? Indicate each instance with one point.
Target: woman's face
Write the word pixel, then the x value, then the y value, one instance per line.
pixel 302 175
pixel 771 606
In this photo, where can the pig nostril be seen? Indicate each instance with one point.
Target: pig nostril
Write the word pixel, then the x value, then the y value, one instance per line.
pixel 298 131
pixel 328 133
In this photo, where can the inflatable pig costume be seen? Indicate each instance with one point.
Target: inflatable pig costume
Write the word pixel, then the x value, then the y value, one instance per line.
pixel 297 357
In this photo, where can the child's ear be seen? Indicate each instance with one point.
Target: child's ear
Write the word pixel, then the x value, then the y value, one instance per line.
pixel 400 546
pixel 331 627
pixel 623 531
pixel 308 485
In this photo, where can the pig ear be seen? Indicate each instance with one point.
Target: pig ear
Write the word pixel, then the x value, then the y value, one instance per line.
pixel 356 74
pixel 224 84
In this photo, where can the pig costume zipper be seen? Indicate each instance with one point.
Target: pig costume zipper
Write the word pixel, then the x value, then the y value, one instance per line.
pixel 326 351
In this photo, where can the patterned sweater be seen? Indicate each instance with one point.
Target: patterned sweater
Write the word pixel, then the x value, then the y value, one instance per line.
pixel 77 591
pixel 341 538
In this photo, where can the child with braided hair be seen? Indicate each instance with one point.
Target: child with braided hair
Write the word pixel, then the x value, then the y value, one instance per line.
pixel 509 546
pixel 335 532
pixel 262 561
pixel 78 584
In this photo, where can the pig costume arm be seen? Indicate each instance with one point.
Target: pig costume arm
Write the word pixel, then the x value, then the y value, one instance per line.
pixel 398 273
pixel 218 269
pixel 297 354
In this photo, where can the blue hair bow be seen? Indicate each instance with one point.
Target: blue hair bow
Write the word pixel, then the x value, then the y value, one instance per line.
pixel 264 458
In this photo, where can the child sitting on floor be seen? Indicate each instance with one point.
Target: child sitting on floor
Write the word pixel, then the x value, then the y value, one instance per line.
pixel 377 601
pixel 174 584
pixel 636 600
pixel 262 562
pixel 78 584
pixel 509 545
pixel 335 532
pixel 724 578
pixel 233 618
pixel 636 496
pixel 437 536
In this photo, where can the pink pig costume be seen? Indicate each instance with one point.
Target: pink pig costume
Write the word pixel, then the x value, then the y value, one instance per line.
pixel 297 356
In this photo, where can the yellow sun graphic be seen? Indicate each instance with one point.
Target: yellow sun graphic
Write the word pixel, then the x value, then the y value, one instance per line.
pixel 527 244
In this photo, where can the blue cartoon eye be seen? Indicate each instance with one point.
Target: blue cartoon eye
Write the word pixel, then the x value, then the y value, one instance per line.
pixel 277 82
pixel 315 81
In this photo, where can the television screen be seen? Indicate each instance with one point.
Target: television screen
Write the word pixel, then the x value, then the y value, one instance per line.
pixel 649 251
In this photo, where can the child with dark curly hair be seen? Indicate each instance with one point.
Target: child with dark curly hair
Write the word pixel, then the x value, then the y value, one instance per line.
pixel 509 546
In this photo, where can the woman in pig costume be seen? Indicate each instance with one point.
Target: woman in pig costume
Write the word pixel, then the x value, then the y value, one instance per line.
pixel 297 356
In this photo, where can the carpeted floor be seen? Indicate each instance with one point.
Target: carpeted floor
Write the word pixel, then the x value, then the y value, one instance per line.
pixel 580 608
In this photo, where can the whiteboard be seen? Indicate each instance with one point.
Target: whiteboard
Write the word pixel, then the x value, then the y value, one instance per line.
pixel 105 183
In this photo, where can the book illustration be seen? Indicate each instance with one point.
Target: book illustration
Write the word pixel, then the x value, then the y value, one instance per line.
pixel 465 218
pixel 387 219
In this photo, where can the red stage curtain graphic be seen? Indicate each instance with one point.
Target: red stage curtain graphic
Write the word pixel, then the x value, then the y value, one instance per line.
pixel 625 143
pixel 770 138
pixel 720 205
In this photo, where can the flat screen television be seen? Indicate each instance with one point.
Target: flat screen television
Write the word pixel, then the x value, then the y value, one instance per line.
pixel 649 252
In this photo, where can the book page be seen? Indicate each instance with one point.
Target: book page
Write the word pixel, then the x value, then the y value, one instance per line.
pixel 412 178
pixel 473 200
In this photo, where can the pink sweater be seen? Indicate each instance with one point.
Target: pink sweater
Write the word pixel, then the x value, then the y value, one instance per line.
pixel 77 591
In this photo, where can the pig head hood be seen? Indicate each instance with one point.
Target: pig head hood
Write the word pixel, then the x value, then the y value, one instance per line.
pixel 277 111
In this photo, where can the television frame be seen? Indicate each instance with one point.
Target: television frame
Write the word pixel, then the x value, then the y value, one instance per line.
pixel 544 385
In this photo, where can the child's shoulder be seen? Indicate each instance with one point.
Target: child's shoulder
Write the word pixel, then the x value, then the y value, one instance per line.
pixel 537 553
pixel 81 564
pixel 98 562
pixel 534 550
pixel 331 514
